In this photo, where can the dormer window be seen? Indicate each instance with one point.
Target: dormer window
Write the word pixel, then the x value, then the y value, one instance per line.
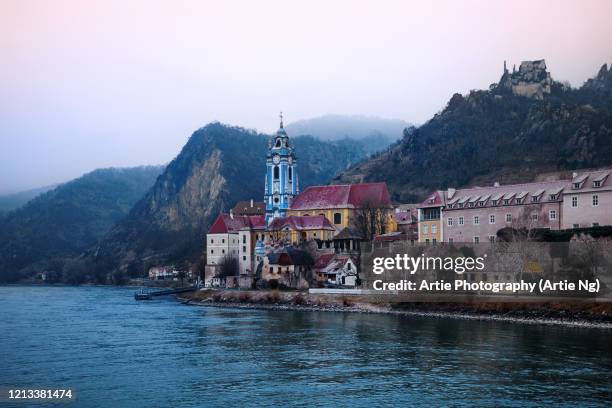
pixel 471 204
pixel 460 205
pixel 597 183
pixel 450 206
pixel 481 203
pixel 534 199
pixel 506 201
pixel 576 186
pixel 494 202
pixel 519 201
pixel 553 197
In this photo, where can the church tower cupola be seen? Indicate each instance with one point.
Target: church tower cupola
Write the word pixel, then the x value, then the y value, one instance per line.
pixel 281 175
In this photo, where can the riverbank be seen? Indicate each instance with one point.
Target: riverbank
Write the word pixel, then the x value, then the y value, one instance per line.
pixel 574 312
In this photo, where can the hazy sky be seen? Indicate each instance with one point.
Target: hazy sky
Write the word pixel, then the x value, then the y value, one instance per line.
pixel 89 84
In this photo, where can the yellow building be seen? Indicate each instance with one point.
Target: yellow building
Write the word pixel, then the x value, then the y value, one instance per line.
pixel 341 205
pixel 297 229
pixel 430 218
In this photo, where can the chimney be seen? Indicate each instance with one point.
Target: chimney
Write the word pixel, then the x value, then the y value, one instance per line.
pixel 574 175
pixel 251 203
pixel 451 192
pixel 232 214
pixel 496 184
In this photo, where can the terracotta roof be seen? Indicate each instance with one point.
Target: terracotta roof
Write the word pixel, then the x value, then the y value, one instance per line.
pixel 225 223
pixel 245 208
pixel 300 223
pixel 290 256
pixel 342 196
pixel 349 233
pixel 435 199
pixel 323 260
pixel 332 262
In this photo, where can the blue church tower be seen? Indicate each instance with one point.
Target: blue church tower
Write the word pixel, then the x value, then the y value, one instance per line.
pixel 281 175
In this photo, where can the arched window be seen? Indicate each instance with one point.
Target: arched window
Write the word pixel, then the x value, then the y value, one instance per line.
pixel 290 173
pixel 276 173
pixel 337 218
pixel 278 143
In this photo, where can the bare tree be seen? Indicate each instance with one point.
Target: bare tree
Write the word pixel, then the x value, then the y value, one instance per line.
pixel 371 219
pixel 228 266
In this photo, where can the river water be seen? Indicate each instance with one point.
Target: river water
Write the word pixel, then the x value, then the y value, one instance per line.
pixel 115 352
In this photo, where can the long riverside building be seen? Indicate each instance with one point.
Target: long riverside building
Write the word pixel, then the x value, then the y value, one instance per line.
pixel 477 214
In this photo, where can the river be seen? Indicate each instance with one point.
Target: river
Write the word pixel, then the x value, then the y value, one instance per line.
pixel 115 352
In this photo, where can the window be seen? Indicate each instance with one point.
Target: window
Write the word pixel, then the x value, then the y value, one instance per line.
pixel 223 241
pixel 434 240
pixel 244 257
pixel 348 266
pixel 534 217
pixel 553 197
pixel 477 240
pixel 425 229
pixel 576 226
pixel 244 239
pixel 471 204
pixel 597 184
pixel 337 218
pixel 494 202
pixel 276 173
pixel 492 219
pixel 290 173
pixel 491 238
pixel 244 249
pixel 552 215
pixel 212 241
pixel 574 201
pixel 506 201
pixel 450 240
pixel 576 186
pixel 434 229
pixel 481 203
pixel 596 224
pixel 427 241
pixel 460 220
pixel 449 222
pixel 519 201
pixel 223 251
pixel 508 217
pixel 212 251
pixel 278 143
pixel 534 199
pixel 595 200
pixel 450 206
pixel 476 220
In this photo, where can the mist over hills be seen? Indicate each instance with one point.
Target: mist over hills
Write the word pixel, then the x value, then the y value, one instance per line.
pixel 67 220
pixel 376 133
pixel 9 202
pixel 526 124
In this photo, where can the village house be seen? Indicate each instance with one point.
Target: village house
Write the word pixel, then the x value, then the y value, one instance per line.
pixel 249 208
pixel 288 266
pixel 336 269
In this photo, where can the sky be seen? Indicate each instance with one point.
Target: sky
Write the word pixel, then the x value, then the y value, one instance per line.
pixel 90 84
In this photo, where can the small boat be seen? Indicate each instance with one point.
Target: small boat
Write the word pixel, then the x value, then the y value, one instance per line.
pixel 142 295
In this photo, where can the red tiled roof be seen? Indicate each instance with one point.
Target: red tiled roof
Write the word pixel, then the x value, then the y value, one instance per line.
pixel 225 223
pixel 342 196
pixel 301 223
pixel 324 260
pixel 435 199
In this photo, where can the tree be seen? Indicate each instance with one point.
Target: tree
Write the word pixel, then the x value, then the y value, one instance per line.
pixel 228 266
pixel 371 219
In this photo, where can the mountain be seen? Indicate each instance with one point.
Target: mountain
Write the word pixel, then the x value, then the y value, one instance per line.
pixel 64 222
pixel 524 125
pixel 376 133
pixel 219 166
pixel 13 201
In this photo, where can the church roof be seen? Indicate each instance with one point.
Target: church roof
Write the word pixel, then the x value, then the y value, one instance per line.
pixel 301 223
pixel 342 196
pixel 226 223
pixel 250 208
